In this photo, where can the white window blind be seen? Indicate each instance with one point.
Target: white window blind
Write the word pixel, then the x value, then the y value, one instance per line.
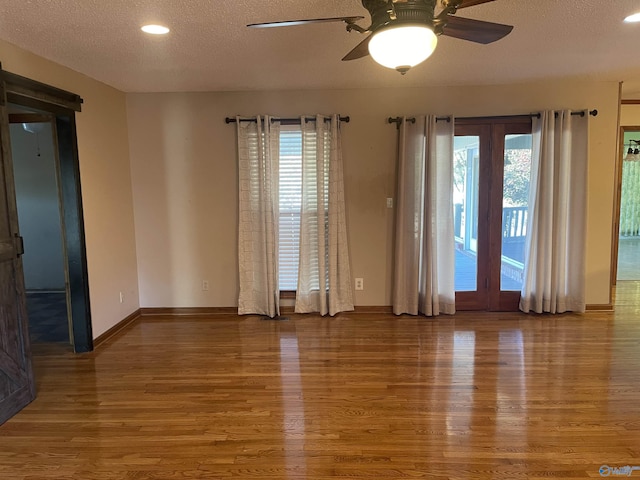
pixel 290 205
pixel 316 188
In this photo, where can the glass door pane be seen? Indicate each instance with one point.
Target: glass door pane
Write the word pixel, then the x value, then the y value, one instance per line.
pixel 515 209
pixel 465 205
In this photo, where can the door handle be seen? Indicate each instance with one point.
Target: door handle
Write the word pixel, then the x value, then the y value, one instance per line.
pixel 19 245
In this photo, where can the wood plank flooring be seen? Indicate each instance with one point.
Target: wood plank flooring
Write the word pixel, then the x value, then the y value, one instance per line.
pixel 475 396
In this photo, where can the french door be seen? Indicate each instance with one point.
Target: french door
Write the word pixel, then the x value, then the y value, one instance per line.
pixel 492 163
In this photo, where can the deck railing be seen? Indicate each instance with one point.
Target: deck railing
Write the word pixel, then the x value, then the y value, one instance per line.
pixel 514 223
pixel 514 230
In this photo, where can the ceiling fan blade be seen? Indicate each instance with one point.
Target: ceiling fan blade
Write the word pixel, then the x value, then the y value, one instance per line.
pixel 361 50
pixel 475 30
pixel 472 3
pixel 291 23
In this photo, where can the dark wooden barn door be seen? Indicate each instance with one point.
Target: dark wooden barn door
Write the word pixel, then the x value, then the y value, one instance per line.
pixel 17 387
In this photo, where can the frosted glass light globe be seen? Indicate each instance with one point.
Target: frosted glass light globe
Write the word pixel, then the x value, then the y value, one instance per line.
pixel 402 47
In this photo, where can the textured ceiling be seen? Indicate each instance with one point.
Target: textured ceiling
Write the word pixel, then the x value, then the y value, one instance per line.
pixel 209 47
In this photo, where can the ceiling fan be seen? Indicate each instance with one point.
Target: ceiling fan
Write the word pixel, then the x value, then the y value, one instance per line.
pixel 404 33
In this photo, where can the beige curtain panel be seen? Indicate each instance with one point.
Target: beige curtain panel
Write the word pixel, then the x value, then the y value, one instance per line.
pixel 258 158
pixel 554 274
pixel 424 236
pixel 324 276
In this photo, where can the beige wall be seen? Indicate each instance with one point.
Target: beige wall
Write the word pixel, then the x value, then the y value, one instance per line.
pixel 184 178
pixel 106 184
pixel 630 116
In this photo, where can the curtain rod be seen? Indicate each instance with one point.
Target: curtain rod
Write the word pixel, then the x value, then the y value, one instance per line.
pixel 284 121
pixel 398 120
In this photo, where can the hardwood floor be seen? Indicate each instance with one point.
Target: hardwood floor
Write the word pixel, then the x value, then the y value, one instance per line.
pixel 475 396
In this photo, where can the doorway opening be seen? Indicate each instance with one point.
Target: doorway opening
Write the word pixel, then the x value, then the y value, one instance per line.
pixel 627 264
pixel 36 177
pixel 32 103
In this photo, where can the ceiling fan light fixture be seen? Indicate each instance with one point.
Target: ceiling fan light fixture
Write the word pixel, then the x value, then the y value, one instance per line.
pixel 401 47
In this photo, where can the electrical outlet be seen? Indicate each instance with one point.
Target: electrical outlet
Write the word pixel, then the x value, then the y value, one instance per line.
pixel 205 285
pixel 359 284
pixel 389 202
pixel 121 297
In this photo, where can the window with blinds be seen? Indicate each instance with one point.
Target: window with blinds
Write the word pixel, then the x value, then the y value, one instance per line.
pixel 290 205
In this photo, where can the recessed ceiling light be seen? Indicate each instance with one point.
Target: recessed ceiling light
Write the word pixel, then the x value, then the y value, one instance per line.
pixel 633 18
pixel 155 29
